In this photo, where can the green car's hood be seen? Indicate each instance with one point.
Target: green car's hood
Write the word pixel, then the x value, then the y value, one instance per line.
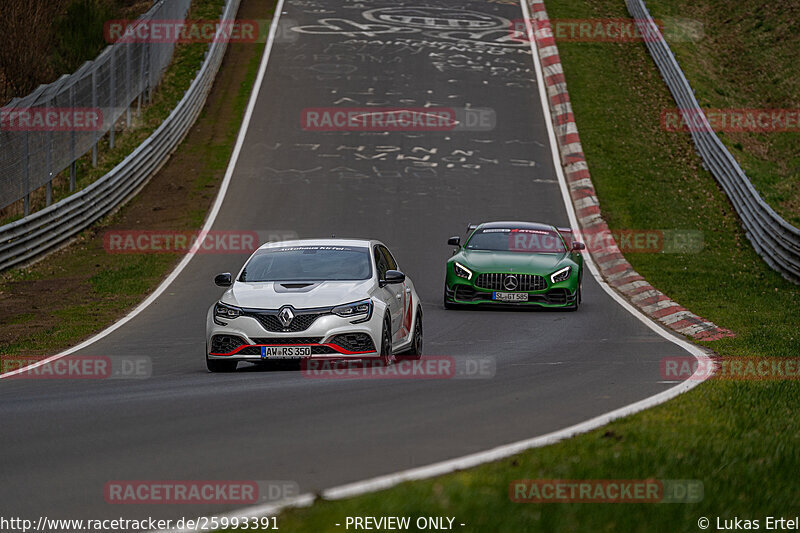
pixel 526 263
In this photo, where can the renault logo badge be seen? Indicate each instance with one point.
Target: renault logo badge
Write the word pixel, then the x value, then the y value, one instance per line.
pixel 286 315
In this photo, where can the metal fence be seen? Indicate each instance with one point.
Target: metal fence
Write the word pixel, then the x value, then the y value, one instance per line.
pixel 122 74
pixel 777 241
pixel 46 230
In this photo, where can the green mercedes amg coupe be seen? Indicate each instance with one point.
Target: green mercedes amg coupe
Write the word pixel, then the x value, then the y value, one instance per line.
pixel 515 263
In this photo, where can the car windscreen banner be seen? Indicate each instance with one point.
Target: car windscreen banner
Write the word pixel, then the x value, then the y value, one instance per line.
pixel 517 240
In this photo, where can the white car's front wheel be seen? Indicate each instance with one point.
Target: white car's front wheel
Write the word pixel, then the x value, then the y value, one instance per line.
pixel 219 365
pixel 215 365
pixel 386 355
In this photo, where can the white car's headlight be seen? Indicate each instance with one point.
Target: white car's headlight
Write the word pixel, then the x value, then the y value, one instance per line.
pixel 462 271
pixel 561 275
pixel 361 309
pixel 226 311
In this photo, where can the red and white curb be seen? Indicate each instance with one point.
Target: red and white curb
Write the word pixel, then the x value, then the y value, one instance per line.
pixel 469 461
pixel 612 264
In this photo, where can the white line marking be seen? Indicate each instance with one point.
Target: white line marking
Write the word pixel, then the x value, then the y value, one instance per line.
pixel 468 461
pixel 445 467
pixel 683 343
pixel 212 215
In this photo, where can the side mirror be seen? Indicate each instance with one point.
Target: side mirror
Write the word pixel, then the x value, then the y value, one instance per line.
pixel 454 241
pixel 223 280
pixel 578 246
pixel 392 276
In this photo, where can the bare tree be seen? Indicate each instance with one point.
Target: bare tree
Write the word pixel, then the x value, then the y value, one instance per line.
pixel 26 35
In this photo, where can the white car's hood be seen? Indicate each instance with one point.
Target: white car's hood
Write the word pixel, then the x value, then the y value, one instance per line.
pixel 274 295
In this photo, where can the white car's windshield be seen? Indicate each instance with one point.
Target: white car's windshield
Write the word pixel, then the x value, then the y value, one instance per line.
pixel 309 263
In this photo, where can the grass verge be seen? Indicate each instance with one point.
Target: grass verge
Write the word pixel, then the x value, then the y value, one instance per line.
pixel 82 289
pixel 747 59
pixel 740 439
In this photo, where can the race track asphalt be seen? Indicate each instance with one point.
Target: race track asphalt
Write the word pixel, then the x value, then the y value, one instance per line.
pixel 63 440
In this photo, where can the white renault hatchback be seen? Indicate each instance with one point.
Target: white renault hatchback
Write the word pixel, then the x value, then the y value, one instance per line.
pixel 320 298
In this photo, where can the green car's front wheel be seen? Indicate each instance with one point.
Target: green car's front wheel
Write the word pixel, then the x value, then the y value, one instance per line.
pixel 577 299
pixel 447 305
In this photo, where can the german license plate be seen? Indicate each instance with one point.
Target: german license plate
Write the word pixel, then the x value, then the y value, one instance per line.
pixel 510 296
pixel 285 352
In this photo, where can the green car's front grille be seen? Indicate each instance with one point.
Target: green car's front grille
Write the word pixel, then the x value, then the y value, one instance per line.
pixel 511 282
pixel 466 293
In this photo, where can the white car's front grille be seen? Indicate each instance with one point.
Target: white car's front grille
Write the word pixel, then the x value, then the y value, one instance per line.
pixel 270 321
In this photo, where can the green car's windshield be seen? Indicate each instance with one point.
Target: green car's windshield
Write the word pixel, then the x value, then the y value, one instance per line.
pixel 537 241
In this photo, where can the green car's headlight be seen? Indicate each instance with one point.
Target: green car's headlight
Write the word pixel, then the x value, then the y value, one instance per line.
pixel 222 310
pixel 462 271
pixel 361 308
pixel 561 275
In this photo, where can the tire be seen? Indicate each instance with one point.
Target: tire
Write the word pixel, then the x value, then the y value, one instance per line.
pixel 386 356
pixel 219 365
pixel 578 300
pixel 447 305
pixel 415 352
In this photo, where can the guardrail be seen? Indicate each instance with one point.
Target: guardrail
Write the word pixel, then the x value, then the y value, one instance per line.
pixel 775 240
pixel 44 231
pixel 98 93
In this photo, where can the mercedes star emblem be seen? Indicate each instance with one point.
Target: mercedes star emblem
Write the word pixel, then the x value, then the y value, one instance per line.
pixel 510 283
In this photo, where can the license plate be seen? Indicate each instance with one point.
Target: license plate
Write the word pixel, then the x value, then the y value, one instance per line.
pixel 285 352
pixel 510 296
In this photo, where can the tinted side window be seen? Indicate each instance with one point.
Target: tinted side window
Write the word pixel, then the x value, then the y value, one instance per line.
pixel 380 263
pixel 389 258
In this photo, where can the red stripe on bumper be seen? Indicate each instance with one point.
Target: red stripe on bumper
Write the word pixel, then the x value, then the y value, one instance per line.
pixel 326 344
